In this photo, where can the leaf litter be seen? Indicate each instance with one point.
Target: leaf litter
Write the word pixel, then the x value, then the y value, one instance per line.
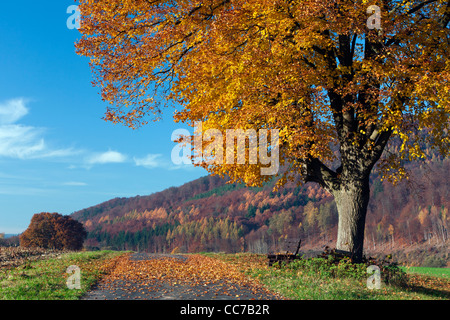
pixel 190 277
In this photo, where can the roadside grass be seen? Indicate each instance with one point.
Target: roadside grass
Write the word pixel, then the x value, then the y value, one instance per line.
pixel 46 279
pixel 309 280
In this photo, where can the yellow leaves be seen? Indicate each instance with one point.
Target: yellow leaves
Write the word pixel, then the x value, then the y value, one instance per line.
pixel 264 64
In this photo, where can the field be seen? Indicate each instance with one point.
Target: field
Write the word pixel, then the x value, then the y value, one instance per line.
pixel 436 272
pixel 38 275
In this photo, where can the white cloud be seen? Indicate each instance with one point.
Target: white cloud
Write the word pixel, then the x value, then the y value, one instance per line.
pixel 150 161
pixel 156 161
pixel 74 184
pixel 20 141
pixel 183 166
pixel 12 110
pixel 106 157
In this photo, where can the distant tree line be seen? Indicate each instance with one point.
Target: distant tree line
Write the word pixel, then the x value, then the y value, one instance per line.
pixel 9 241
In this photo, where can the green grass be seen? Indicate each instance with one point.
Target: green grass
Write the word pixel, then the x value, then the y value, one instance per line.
pixel 436 272
pixel 299 285
pixel 46 279
pixel 311 280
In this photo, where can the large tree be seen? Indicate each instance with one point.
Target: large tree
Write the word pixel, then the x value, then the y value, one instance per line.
pixel 329 75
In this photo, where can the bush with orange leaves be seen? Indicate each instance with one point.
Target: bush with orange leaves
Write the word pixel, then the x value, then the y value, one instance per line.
pixel 53 231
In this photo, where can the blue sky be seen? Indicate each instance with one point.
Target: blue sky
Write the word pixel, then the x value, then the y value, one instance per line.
pixel 56 153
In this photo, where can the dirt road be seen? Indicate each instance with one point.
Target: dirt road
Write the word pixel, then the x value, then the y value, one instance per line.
pixel 176 277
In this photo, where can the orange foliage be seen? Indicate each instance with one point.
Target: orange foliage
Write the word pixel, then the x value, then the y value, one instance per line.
pixel 312 69
pixel 195 270
pixel 54 231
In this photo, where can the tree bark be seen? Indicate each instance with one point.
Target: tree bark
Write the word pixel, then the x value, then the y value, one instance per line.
pixel 350 187
pixel 352 200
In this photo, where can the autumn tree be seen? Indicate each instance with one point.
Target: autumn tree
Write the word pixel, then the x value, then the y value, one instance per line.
pixel 54 231
pixel 329 75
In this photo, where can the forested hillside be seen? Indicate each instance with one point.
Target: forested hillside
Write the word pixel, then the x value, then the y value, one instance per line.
pixel 209 215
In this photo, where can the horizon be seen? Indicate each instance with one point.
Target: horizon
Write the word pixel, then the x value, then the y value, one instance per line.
pixel 57 153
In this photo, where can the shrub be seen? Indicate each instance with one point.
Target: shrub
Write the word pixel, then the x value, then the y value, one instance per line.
pixel 336 265
pixel 434 262
pixel 53 231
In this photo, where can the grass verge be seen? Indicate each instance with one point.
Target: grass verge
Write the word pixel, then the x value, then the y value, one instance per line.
pixel 46 279
pixel 310 280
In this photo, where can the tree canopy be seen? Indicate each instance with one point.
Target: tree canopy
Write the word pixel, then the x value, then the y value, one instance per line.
pixel 312 69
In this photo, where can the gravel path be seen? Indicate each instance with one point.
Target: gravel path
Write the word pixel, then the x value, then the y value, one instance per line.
pixel 122 287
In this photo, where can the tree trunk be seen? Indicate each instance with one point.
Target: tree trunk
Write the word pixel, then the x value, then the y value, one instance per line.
pixel 352 199
pixel 350 187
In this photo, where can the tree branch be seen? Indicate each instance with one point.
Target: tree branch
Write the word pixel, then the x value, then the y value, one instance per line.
pixel 445 19
pixel 316 171
pixel 380 140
